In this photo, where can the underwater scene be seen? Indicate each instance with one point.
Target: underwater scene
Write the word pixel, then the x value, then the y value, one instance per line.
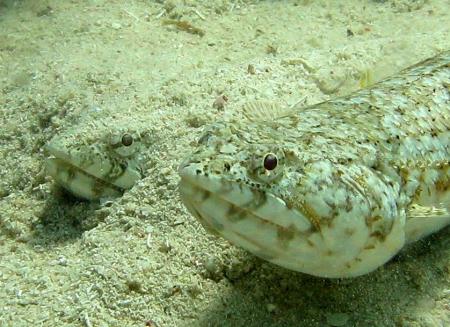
pixel 225 163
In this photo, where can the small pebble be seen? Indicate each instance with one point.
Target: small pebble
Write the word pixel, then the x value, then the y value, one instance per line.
pixel 116 26
pixel 211 264
pixel 337 319
pixel 271 307
pixel 165 247
pixel 220 102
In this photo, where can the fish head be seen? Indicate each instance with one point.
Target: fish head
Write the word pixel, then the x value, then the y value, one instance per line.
pixel 236 186
pixel 268 188
pixel 96 160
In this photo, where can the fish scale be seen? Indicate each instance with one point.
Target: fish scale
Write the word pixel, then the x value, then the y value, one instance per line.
pixel 356 177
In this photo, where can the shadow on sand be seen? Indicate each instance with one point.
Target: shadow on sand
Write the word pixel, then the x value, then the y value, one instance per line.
pixel 404 289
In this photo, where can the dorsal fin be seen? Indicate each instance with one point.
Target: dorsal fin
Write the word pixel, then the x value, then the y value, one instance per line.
pixel 264 111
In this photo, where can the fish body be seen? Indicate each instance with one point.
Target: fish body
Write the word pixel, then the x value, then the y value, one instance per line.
pixel 334 189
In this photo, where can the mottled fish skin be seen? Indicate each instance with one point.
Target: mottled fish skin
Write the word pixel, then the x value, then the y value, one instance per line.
pixel 96 160
pixel 335 189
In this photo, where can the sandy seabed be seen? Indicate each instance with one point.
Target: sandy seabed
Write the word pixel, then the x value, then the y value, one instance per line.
pixel 142 260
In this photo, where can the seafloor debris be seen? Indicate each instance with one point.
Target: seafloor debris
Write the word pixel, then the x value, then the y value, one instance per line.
pixel 185 26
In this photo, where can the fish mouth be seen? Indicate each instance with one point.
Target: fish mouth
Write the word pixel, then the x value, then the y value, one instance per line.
pixel 256 220
pixel 62 158
pixel 264 225
pixel 78 181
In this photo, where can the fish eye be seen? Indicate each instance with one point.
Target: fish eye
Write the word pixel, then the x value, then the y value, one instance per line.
pixel 127 139
pixel 270 161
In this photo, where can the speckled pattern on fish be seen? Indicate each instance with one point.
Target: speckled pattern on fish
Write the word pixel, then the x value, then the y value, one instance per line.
pixel 334 189
pixel 99 159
